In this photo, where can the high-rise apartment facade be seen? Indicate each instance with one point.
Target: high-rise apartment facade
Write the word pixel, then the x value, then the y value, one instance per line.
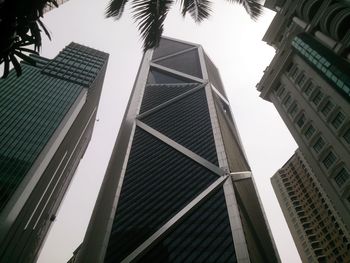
pixel 178 187
pixel 47 118
pixel 318 232
pixel 308 83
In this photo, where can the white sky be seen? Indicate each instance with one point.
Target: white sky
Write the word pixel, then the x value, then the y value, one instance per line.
pixel 234 44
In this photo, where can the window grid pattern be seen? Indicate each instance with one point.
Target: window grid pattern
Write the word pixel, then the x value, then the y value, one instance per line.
pixel 77 64
pixel 327 108
pixel 317 97
pixel 293 109
pixel 287 101
pixel 341 177
pixel 301 120
pixel 329 160
pixel 318 145
pixel 309 88
pixel 301 79
pixel 198 240
pixel 338 120
pixel 312 215
pixel 309 132
pixel 32 108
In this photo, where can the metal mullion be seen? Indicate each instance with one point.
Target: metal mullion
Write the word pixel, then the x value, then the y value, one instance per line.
pixel 234 214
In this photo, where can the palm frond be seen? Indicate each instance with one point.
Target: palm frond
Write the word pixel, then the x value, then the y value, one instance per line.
pixel 6 60
pixel 47 33
pixel 150 16
pixel 198 9
pixel 16 65
pixel 115 8
pixel 252 7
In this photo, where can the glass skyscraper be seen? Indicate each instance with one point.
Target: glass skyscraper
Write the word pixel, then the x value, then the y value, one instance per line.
pixel 47 117
pixel 178 187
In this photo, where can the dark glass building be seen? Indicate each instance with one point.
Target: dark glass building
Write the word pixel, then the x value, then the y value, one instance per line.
pixel 47 117
pixel 178 187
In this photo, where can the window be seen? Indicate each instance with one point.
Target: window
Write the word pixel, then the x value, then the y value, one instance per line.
pixel 329 160
pixel 309 132
pixel 301 120
pixel 338 120
pixel 346 136
pixel 318 145
pixel 327 108
pixel 341 177
pixel 293 110
pixel 301 80
pixel 277 88
pixel 309 88
pixel 294 71
pixel 281 93
pixel 317 98
pixel 287 101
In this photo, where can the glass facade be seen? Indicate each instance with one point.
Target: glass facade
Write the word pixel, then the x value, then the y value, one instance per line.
pixel 32 107
pixel 168 186
pixel 46 124
pixel 334 69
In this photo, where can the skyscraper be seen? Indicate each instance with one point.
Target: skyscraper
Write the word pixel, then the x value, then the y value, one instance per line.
pixel 178 186
pixel 47 117
pixel 308 83
pixel 318 232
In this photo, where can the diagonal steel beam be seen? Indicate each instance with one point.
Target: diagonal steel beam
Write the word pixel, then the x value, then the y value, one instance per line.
pixel 178 73
pixel 164 104
pixel 140 250
pixel 195 157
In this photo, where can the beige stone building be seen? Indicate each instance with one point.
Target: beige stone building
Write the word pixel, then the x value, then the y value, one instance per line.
pixel 308 81
pixel 317 229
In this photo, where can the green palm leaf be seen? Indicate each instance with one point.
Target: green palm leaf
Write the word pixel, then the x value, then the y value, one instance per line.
pixel 253 7
pixel 116 8
pixel 150 16
pixel 198 9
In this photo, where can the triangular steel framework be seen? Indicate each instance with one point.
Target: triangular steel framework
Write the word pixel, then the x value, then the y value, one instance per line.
pixel 226 176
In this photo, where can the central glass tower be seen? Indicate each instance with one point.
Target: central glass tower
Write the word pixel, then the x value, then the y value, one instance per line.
pixel 178 187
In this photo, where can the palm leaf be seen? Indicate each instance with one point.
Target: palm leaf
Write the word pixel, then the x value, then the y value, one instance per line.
pixel 6 67
pixel 116 8
pixel 16 65
pixel 253 7
pixel 150 16
pixel 44 28
pixel 26 58
pixel 198 9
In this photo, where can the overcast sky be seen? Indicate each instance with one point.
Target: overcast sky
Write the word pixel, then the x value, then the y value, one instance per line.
pixel 234 44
